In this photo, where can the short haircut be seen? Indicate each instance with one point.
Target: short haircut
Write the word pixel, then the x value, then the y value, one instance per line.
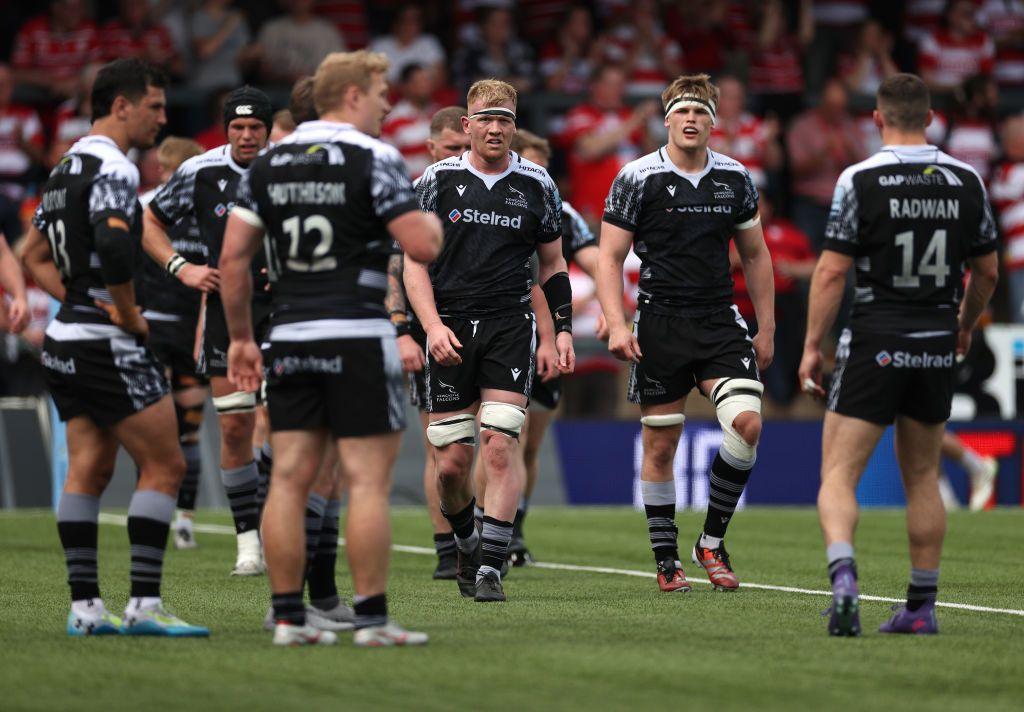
pixel 903 101
pixel 524 140
pixel 341 70
pixel 492 92
pixel 450 117
pixel 697 84
pixel 597 73
pixel 284 119
pixel 408 70
pixel 301 101
pixel 130 78
pixel 175 150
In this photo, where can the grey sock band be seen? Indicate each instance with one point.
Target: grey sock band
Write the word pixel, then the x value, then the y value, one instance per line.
pixel 839 550
pixel 317 503
pixel 240 476
pixel 333 508
pixel 152 505
pixel 658 493
pixel 924 577
pixel 78 508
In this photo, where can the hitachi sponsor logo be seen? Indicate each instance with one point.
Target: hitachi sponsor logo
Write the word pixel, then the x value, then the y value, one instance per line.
pixel 937 208
pixel 903 359
pixel 53 363
pixel 55 199
pixel 307 192
pixel 490 218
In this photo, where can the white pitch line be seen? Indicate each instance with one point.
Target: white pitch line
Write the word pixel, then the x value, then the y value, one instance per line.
pixel 425 551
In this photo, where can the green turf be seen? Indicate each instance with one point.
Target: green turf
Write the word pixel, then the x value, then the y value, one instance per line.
pixel 565 640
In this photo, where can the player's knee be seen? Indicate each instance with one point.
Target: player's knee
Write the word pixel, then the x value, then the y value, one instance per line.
pixel 452 471
pixel 453 429
pixel 497 453
pixel 236 434
pixel 748 425
pixel 502 419
pixel 738 405
pixel 660 451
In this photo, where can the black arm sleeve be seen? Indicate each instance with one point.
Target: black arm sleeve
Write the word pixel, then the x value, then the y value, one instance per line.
pixel 116 251
pixel 558 292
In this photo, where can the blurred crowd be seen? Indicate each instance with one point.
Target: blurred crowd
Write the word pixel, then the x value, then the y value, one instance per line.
pixel 796 77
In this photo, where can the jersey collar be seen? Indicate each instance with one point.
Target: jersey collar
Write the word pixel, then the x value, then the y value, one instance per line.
pixel 489 179
pixel 90 138
pixel 231 161
pixel 693 178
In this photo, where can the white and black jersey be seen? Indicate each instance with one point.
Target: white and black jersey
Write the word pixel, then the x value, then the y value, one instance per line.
pixel 325 195
pixel 492 225
pixel 166 295
pixel 682 224
pixel 576 234
pixel 910 216
pixel 206 187
pixel 92 182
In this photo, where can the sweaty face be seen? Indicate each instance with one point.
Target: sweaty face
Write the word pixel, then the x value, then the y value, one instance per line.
pixel 247 137
pixel 449 143
pixel 372 106
pixel 490 136
pixel 689 128
pixel 146 117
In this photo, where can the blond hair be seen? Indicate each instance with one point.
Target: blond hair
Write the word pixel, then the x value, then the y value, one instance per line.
pixel 175 150
pixel 492 92
pixel 524 140
pixel 341 70
pixel 697 84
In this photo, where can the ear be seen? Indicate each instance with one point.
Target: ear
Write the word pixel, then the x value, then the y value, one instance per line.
pixel 352 95
pixel 465 124
pixel 119 105
pixel 876 116
pixel 931 117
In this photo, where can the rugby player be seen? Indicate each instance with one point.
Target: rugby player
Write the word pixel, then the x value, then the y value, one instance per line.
pixel 909 219
pixel 679 207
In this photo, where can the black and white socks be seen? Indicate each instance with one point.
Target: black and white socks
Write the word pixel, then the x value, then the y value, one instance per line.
pixel 78 526
pixel 323 590
pixel 241 485
pixel 464 528
pixel 494 538
pixel 726 486
pixel 923 588
pixel 660 507
pixel 149 519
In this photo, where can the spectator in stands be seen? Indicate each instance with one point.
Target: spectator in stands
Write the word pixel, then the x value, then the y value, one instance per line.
pixel 214 135
pixel 293 46
pixel 971 136
pixel 22 146
pixel 739 134
pixel 1003 20
pixel 407 126
pixel 871 60
pixel 74 117
pixel 497 53
pixel 836 26
pixel 957 50
pixel 51 50
pixel 1007 194
pixel 650 57
pixel 921 18
pixel 775 77
pixel 603 135
pixel 702 28
pixel 793 262
pixel 822 142
pixel 284 124
pixel 133 33
pixel 568 60
pixel 409 44
pixel 350 17
pixel 220 37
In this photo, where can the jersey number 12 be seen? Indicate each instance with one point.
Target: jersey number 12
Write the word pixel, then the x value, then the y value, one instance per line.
pixel 933 261
pixel 318 260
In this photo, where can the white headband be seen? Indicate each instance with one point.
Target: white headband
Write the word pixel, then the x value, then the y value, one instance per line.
pixel 692 100
pixel 494 111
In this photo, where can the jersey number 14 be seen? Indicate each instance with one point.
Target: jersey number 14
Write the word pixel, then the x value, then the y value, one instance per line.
pixel 933 261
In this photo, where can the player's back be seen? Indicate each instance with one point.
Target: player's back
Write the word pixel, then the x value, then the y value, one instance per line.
pixel 94 180
pixel 910 216
pixel 325 195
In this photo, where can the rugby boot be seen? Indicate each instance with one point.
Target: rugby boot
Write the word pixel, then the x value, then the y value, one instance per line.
pixel 387 635
pixel 919 622
pixel 101 622
pixel 489 588
pixel 844 619
pixel 671 577
pixel 157 621
pixel 518 554
pixel 983 484
pixel 715 563
pixel 465 575
pixel 447 567
pixel 294 636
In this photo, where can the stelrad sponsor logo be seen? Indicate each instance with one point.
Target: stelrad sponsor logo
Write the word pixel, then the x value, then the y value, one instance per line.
pixel 55 364
pixel 479 217
pixel 905 359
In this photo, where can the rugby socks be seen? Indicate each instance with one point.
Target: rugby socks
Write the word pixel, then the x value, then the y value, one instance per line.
pixel 494 539
pixel 923 588
pixel 478 517
pixel 315 506
pixel 190 485
pixel 78 527
pixel 264 464
pixel 466 536
pixel 840 557
pixel 323 590
pixel 660 506
pixel 517 523
pixel 241 485
pixel 370 610
pixel 727 483
pixel 288 608
pixel 149 519
pixel 444 544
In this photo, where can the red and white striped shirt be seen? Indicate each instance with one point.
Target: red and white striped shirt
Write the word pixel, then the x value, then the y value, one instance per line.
pixel 153 43
pixel 1007 194
pixel 745 140
pixel 647 77
pixel 1004 21
pixel 349 16
pixel 407 128
pixel 776 69
pixel 974 143
pixel 951 60
pixel 840 13
pixel 61 55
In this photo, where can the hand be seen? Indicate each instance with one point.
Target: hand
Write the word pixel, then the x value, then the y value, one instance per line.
pixel 245 365
pixel 963 344
pixel 132 322
pixel 809 373
pixel 645 111
pixel 547 360
pixel 201 277
pixel 566 354
pixel 17 316
pixel 623 344
pixel 764 348
pixel 410 353
pixel 442 344
pixel 602 328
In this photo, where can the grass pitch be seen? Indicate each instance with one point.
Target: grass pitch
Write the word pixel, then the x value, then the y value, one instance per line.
pixel 564 640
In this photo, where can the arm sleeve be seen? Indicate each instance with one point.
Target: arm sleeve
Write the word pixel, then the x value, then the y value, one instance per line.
pixel 551 222
pixel 622 206
pixel 390 187
pixel 576 230
pixel 748 209
pixel 39 219
pixel 246 206
pixel 841 232
pixel 987 238
pixel 114 194
pixel 426 191
pixel 176 198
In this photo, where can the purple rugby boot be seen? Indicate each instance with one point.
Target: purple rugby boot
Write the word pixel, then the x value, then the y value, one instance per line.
pixel 845 610
pixel 919 622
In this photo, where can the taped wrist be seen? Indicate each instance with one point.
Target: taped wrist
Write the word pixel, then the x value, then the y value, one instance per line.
pixel 116 251
pixel 174 264
pixel 402 328
pixel 558 292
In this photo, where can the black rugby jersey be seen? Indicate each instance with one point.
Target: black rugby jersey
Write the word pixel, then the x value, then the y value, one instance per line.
pixel 910 216
pixel 576 234
pixel 92 182
pixel 206 188
pixel 164 293
pixel 325 195
pixel 681 225
pixel 492 224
